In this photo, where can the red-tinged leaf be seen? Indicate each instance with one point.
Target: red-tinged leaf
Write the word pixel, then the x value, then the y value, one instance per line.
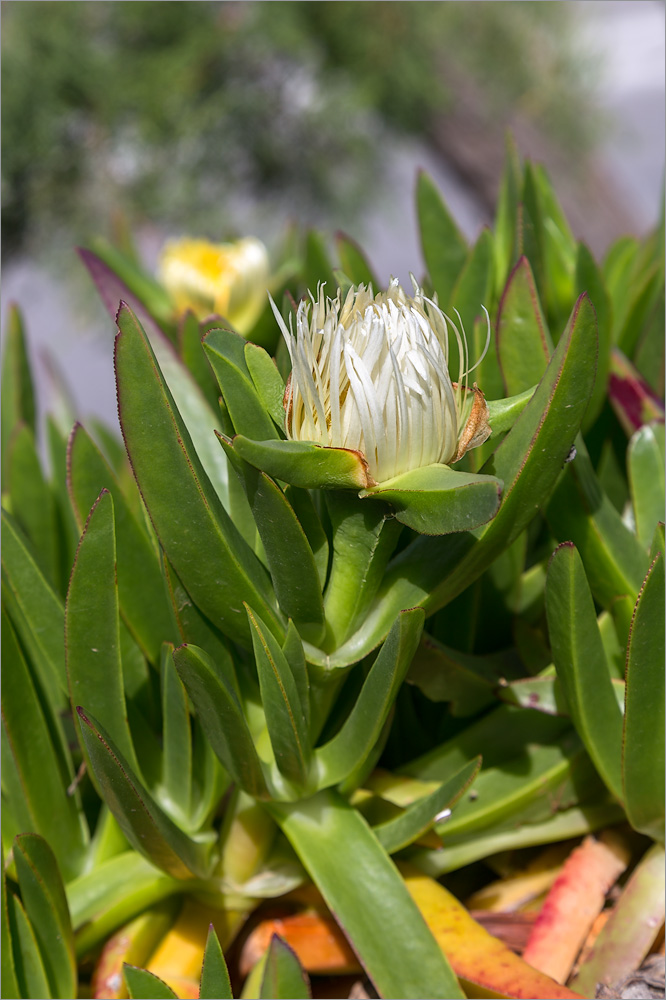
pixel 632 399
pixel 573 903
pixel 631 928
pixel 477 958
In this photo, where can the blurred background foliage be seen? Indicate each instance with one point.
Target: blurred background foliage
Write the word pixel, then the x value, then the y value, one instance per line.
pixel 175 114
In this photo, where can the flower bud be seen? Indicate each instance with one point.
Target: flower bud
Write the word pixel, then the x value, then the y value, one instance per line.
pixel 371 374
pixel 225 278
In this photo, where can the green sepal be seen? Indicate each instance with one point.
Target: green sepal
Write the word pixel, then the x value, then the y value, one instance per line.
pixel 217 705
pixel 281 702
pixel 356 739
pixel 215 983
pixel 643 738
pixel 143 985
pixel 187 514
pixel 436 500
pixel 43 896
pixel 524 345
pixel 92 636
pixel 581 666
pixel 225 351
pixel 267 380
pixel 303 463
pixel 503 413
pixel 403 830
pixel 146 826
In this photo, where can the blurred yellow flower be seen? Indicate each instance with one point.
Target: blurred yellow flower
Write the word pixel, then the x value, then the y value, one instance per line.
pixel 229 279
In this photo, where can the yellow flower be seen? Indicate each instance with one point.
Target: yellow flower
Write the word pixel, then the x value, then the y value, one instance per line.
pixel 371 374
pixel 225 278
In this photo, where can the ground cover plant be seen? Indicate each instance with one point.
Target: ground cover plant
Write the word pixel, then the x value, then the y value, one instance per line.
pixel 345 654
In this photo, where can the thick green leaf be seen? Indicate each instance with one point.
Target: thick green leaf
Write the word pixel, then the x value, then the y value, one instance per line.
pixel 193 408
pixel 217 705
pixel 559 249
pixel 360 732
pixel 267 381
pixel 306 512
pixel 317 265
pixel 43 896
pixel 444 247
pixel 288 553
pixel 216 566
pixel 506 215
pixel 579 511
pixel 295 657
pixel 475 284
pixel 193 626
pixel 437 500
pixel 18 395
pixel 66 524
pixel 215 984
pixel 364 890
pixel 36 611
pixel 42 761
pixel 564 825
pixel 225 352
pixel 141 589
pixel 113 893
pixel 281 702
pixel 544 693
pixel 590 279
pixel 526 789
pixel 303 463
pixel 524 344
pixel 402 831
pixel 432 571
pixel 30 973
pixel 645 294
pixel 147 289
pixel 643 747
pixel 192 353
pixel 32 501
pixel 464 680
pixel 143 985
pixel 176 739
pixel 645 465
pixel 363 539
pixel 353 261
pixel 143 822
pixel 531 234
pixel 92 639
pixel 580 661
pixel 283 976
pixel 499 736
pixel 9 987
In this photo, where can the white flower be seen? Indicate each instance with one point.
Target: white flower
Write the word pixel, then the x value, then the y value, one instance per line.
pixel 371 375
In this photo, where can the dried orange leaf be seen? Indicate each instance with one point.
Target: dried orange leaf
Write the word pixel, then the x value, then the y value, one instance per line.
pixel 481 961
pixel 313 934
